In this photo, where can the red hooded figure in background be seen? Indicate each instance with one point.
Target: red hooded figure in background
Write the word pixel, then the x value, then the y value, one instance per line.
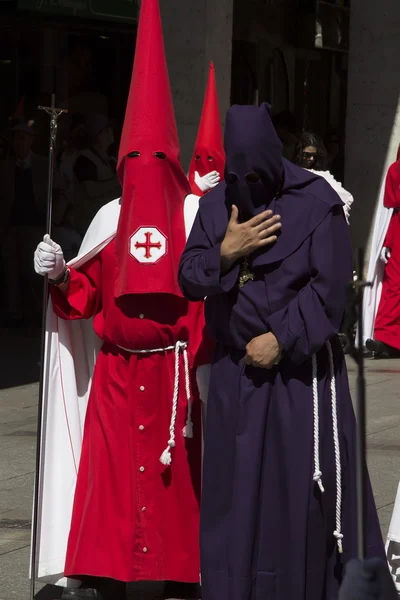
pixel 387 322
pixel 135 515
pixel 208 161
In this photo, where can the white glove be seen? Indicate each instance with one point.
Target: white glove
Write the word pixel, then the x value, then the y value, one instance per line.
pixel 208 182
pixel 385 255
pixel 49 259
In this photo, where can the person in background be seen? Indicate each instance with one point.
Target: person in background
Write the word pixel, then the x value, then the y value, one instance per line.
pixel 385 263
pixel 95 172
pixel 311 154
pixel 23 195
pixel 334 146
pixel 285 127
pixel 3 148
pixel 70 152
pixel 208 160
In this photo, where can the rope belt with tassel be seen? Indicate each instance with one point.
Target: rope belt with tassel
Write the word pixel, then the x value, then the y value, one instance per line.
pixel 179 348
pixel 317 469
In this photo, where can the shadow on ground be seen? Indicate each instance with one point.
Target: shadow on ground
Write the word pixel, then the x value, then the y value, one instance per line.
pixel 19 357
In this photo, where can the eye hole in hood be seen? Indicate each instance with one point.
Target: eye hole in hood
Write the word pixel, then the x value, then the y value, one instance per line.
pixel 231 178
pixel 252 177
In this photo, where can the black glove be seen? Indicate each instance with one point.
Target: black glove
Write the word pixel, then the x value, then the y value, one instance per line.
pixel 368 580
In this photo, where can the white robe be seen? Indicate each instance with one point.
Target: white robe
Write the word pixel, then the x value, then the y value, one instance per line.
pixel 70 356
pixel 376 267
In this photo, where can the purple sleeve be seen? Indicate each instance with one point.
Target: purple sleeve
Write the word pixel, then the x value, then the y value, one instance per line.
pixel 315 314
pixel 200 266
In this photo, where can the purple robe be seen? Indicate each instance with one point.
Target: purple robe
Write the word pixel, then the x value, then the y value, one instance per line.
pixel 267 531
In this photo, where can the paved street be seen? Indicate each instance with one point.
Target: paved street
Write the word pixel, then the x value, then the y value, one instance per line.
pixel 18 401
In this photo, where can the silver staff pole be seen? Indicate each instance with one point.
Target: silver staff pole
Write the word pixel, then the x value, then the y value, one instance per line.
pixel 357 354
pixel 54 115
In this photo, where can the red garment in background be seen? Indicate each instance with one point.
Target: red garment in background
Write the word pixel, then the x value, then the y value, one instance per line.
pixel 133 518
pixel 209 153
pixel 387 322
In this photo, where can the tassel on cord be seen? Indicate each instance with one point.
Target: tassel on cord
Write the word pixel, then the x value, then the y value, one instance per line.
pixel 166 457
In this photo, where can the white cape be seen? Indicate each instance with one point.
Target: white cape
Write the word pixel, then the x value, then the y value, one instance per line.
pixel 376 267
pixel 70 355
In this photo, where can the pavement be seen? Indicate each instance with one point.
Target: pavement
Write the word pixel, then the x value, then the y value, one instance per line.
pixel 19 359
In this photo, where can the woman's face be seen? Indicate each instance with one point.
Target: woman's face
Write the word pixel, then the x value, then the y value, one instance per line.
pixel 309 156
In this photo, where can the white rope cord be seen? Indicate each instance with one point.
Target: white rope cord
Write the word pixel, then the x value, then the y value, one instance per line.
pixel 152 351
pixel 338 531
pixel 166 457
pixel 188 429
pixel 179 347
pixel 317 477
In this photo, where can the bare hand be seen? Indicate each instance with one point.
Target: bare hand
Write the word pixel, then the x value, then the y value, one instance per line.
pixel 241 239
pixel 263 351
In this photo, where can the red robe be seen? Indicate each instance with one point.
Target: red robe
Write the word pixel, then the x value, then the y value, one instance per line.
pixel 387 322
pixel 133 518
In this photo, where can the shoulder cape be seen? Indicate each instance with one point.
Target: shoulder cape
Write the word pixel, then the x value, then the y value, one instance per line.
pixel 305 201
pixel 345 196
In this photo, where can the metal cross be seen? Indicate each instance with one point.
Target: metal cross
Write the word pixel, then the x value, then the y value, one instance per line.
pixel 54 114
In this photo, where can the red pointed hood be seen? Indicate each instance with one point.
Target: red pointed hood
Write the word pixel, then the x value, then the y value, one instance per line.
pixel 209 154
pixel 151 232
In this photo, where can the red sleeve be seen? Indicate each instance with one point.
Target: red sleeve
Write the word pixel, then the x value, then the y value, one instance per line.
pixel 83 298
pixel 392 188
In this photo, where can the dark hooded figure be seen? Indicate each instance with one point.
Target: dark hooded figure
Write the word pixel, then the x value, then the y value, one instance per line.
pixel 278 518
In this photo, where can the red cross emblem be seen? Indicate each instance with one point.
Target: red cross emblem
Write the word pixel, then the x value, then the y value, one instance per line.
pixel 148 245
